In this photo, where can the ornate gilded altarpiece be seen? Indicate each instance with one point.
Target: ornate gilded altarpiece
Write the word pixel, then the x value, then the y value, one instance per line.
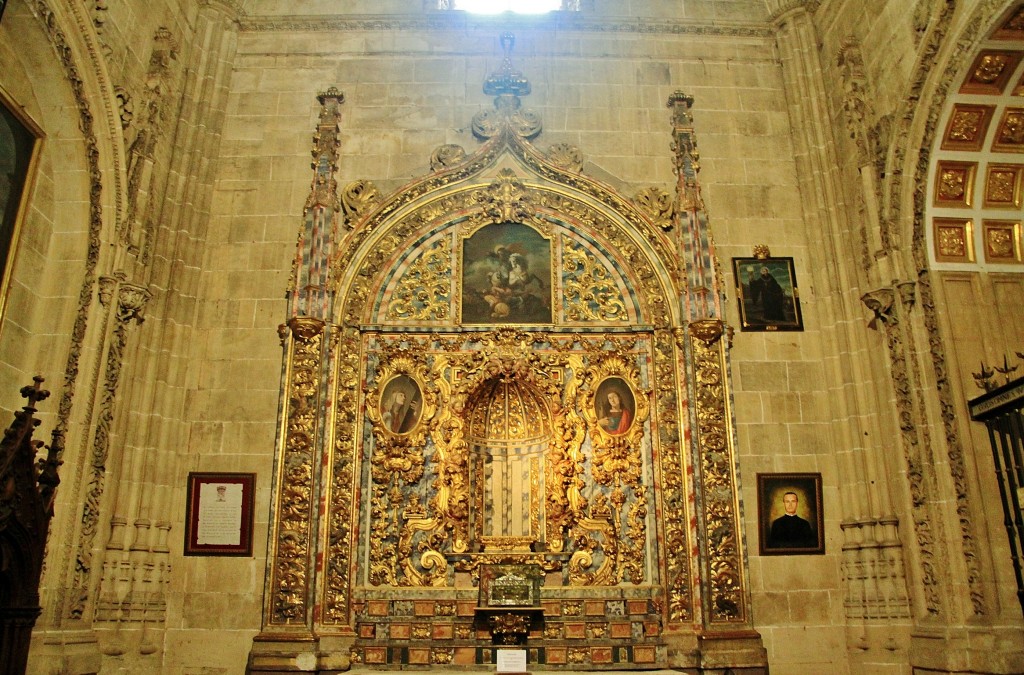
pixel 505 363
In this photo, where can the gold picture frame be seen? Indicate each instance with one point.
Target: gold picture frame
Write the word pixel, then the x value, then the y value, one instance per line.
pixel 768 295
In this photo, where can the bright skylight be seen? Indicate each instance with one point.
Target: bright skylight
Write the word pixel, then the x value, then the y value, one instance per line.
pixel 517 6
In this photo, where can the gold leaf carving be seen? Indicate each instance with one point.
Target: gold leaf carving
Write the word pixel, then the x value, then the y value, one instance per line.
pixel 566 156
pixel 673 491
pixel 357 199
pixel 656 205
pixel 722 546
pixel 616 409
pixel 446 156
pixel 507 199
pixel 589 291
pixel 289 584
pixel 424 291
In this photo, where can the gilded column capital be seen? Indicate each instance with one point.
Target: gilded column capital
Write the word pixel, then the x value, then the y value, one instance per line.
pixel 708 331
pixel 305 328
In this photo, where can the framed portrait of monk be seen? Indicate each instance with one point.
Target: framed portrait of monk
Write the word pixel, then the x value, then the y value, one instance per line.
pixel 790 514
pixel 768 296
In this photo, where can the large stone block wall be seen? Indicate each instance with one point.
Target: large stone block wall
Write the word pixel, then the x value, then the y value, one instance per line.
pixel 223 248
pixel 408 92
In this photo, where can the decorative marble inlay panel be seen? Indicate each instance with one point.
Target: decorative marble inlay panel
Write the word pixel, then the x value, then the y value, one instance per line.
pixel 954 183
pixel 1010 133
pixel 1003 186
pixel 967 127
pixel 953 239
pixel 990 72
pixel 1002 241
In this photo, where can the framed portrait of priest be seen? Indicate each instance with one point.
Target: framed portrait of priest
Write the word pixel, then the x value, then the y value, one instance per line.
pixel 790 514
pixel 768 296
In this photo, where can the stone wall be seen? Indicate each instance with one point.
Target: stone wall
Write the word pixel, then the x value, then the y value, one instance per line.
pixel 792 101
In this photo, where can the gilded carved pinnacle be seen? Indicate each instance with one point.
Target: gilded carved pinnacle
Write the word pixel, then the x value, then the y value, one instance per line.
pixel 507 81
pixel 506 85
pixel 331 93
pixel 680 104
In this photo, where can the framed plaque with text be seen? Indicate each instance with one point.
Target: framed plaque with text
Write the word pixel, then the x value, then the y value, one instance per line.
pixel 218 517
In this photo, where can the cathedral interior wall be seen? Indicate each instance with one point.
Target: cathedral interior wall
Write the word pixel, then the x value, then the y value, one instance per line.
pixel 219 272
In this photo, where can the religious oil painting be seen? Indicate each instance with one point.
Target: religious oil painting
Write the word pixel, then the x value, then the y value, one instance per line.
pixel 767 292
pixel 19 144
pixel 614 406
pixel 790 516
pixel 219 514
pixel 506 276
pixel 401 404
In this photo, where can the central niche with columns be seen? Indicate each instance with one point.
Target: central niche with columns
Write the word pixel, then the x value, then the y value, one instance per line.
pixel 509 432
pixel 506 365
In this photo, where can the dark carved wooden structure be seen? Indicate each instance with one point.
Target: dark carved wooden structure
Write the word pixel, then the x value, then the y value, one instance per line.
pixel 1002 411
pixel 27 487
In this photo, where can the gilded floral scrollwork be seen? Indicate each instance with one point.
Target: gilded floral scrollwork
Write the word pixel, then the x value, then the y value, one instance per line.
pixel 294 520
pixel 589 290
pixel 424 291
pixel 343 489
pixel 673 491
pixel 399 406
pixel 357 199
pixel 616 409
pixel 446 156
pixel 507 199
pixel 721 523
pixel 564 479
pixel 566 157
pixel 656 205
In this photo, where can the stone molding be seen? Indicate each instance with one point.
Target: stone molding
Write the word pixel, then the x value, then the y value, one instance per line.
pixel 461 21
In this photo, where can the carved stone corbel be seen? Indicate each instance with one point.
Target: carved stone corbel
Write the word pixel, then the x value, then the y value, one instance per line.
pixel 880 302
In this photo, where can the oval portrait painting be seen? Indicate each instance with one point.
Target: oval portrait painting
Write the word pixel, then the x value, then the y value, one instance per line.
pixel 400 404
pixel 614 406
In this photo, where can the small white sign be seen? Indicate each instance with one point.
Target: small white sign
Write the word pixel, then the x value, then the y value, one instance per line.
pixel 511 660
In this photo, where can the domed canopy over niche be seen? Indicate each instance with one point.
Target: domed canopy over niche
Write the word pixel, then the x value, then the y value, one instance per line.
pixel 508 431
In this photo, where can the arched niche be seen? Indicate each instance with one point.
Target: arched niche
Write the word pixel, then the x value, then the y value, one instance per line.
pixel 509 432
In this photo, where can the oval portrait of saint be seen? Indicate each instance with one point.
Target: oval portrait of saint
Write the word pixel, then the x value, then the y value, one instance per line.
pixel 400 404
pixel 614 405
